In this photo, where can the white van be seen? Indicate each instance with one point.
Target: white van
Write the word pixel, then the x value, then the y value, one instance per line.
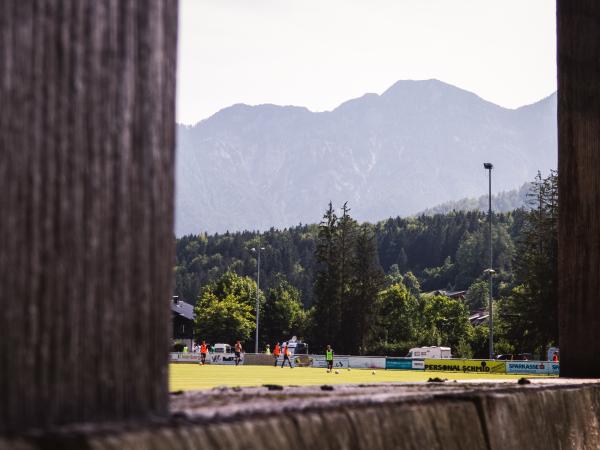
pixel 222 354
pixel 295 346
pixel 222 348
pixel 430 352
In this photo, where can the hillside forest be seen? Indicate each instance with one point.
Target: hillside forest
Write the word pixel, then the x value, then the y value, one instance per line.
pixel 380 289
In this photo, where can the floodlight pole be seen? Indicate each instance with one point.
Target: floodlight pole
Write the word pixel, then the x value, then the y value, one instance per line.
pixel 489 167
pixel 257 294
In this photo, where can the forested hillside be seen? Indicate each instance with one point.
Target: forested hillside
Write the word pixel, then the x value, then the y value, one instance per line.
pixel 375 288
pixel 505 201
pixel 445 251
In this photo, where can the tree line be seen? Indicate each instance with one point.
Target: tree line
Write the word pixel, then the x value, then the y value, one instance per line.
pixel 375 288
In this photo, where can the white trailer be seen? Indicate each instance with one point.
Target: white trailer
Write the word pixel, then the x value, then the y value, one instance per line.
pixel 430 352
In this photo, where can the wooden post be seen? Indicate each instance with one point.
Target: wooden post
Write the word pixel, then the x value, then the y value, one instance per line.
pixel 579 186
pixel 86 209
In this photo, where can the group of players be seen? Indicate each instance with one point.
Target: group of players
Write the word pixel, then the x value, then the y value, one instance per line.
pixel 277 352
pixel 280 351
pixel 203 347
pixel 285 352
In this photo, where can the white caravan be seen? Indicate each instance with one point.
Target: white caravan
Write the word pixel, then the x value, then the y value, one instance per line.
pixel 430 352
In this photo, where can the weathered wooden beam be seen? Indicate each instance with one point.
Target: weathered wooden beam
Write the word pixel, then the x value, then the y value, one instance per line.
pixel 87 94
pixel 544 415
pixel 579 186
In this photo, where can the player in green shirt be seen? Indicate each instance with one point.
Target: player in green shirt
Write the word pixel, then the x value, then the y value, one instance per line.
pixel 329 358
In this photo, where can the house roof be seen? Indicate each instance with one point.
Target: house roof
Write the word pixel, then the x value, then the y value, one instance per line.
pixel 183 309
pixel 478 317
pixel 451 294
pixel 454 294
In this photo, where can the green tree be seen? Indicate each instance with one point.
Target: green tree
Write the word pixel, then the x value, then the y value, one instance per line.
pixel 345 238
pixel 503 347
pixel 284 315
pixel 327 298
pixel 480 342
pixel 478 295
pixel 241 288
pixel 397 316
pixel 393 276
pixel 530 311
pixel 463 349
pixel 412 284
pixel 225 310
pixel 367 280
pixel 447 321
pixel 441 276
pixel 402 260
pixel 223 319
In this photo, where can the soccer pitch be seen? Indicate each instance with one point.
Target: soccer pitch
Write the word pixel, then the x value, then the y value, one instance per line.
pixel 184 377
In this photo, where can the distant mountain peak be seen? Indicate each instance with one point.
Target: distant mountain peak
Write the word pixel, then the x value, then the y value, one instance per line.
pixel 420 143
pixel 431 83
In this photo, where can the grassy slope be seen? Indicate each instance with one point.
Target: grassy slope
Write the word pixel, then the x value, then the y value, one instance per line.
pixel 194 376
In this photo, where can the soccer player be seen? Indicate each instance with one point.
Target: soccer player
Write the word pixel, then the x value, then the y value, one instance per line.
pixel 329 358
pixel 238 352
pixel 286 357
pixel 276 353
pixel 203 352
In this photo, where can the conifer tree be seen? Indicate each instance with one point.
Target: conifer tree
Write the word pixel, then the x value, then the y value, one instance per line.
pixel 346 252
pixel 367 281
pixel 531 309
pixel 327 301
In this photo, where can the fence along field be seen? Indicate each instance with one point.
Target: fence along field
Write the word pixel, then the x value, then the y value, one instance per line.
pixel 385 362
pixel 183 377
pixel 187 374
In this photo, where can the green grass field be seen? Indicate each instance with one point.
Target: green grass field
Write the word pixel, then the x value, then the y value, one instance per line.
pixel 194 376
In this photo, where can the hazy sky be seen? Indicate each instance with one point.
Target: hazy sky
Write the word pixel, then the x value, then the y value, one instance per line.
pixel 319 53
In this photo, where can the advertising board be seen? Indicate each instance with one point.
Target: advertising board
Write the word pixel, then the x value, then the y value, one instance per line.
pixel 258 359
pixel 362 362
pixel 211 358
pixel 465 365
pixel 185 357
pixel 223 358
pixel 399 363
pixel 418 364
pixel 339 362
pixel 532 367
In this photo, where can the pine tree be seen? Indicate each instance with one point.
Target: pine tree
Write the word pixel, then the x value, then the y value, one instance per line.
pixel 531 309
pixel 327 301
pixel 367 281
pixel 346 251
pixel 402 260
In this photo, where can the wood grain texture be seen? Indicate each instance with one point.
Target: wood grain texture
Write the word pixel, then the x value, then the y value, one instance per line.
pixel 579 186
pixel 87 120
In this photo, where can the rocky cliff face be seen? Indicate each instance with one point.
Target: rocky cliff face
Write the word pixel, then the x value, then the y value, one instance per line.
pixel 419 144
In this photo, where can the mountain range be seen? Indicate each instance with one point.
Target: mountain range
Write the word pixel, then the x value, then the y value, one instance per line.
pixel 419 144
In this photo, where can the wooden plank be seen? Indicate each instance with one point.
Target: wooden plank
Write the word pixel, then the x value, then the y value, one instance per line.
pixel 87 93
pixel 579 186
